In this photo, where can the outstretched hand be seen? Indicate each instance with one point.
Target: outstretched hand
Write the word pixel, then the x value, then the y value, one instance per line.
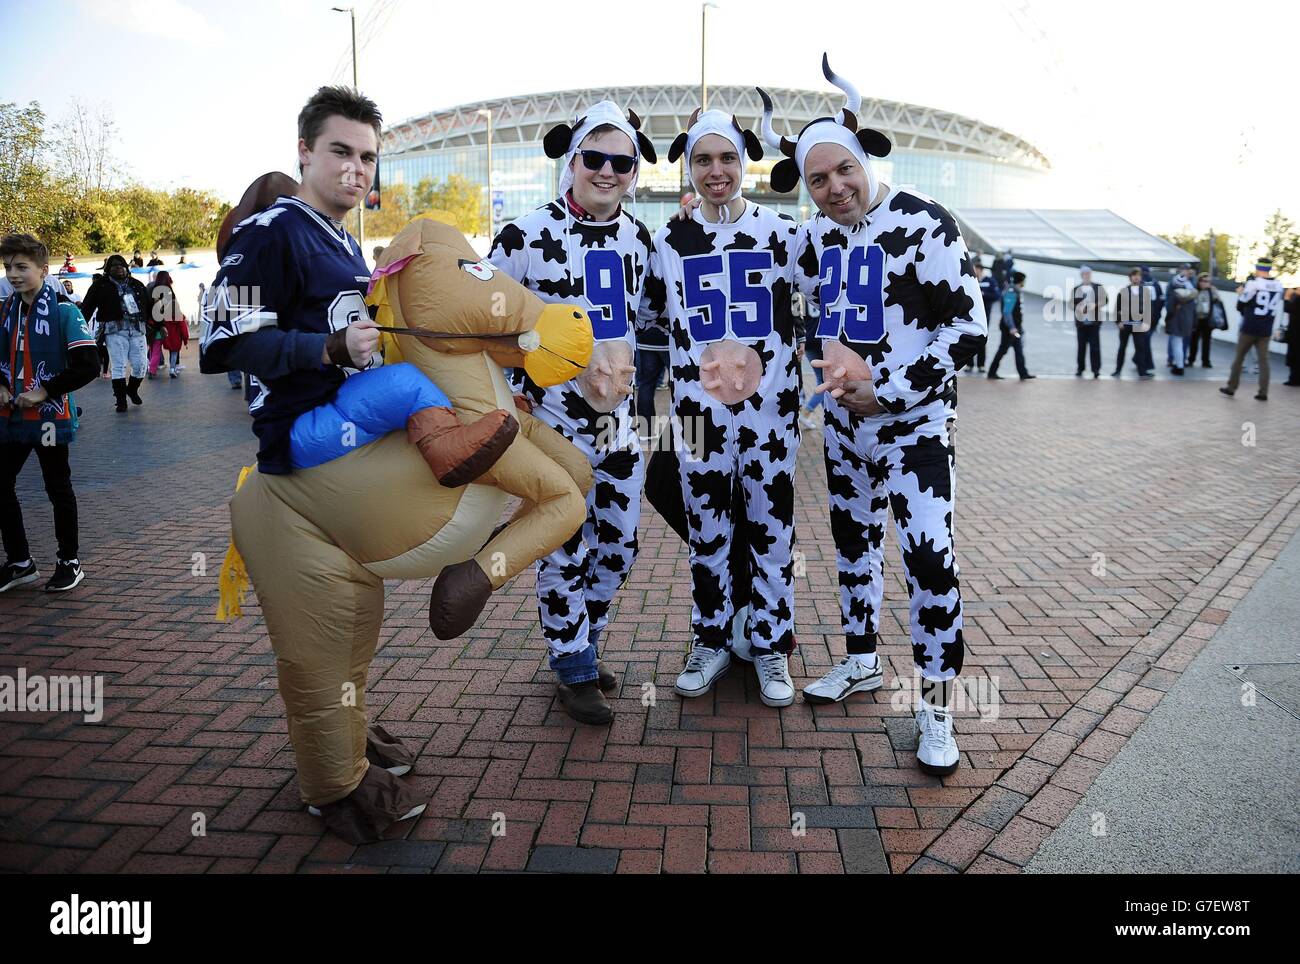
pixel 607 380
pixel 858 395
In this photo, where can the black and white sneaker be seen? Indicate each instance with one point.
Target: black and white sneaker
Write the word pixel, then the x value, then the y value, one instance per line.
pixel 13 575
pixel 856 673
pixel 936 750
pixel 66 576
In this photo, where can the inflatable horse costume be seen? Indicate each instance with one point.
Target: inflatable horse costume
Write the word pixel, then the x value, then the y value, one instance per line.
pixel 318 543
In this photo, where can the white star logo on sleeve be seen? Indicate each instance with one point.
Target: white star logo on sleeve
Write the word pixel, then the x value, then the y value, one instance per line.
pixel 234 311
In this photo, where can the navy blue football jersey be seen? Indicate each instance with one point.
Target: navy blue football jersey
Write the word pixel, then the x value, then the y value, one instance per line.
pixel 290 276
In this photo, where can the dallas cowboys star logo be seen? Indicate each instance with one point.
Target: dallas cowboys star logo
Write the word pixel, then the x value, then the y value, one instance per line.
pixel 231 311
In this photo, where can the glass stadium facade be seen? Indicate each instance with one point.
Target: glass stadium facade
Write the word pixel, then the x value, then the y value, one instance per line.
pixel 961 162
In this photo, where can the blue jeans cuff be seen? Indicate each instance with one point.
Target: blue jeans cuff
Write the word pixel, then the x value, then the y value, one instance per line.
pixel 576 667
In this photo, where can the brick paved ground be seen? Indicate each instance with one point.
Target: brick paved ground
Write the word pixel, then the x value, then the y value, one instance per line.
pixel 1155 476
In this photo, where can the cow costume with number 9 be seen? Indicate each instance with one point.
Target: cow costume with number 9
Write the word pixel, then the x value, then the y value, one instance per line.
pixel 585 246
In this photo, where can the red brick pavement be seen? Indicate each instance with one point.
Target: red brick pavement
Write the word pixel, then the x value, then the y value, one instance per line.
pixel 1155 476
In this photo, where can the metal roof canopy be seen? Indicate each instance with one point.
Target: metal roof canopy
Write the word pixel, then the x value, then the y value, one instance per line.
pixel 1098 237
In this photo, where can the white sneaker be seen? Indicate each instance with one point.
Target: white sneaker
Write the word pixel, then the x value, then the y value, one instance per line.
pixel 936 750
pixel 740 636
pixel 775 687
pixel 703 667
pixel 806 420
pixel 858 673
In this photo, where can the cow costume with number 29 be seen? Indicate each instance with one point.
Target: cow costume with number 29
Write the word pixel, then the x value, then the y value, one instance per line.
pixel 899 304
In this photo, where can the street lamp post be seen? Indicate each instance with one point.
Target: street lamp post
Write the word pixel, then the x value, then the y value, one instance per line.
pixel 487 112
pixel 361 208
pixel 704 22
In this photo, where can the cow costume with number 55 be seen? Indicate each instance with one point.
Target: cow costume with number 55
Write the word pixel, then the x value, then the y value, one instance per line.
pixel 900 311
pixel 564 252
pixel 722 289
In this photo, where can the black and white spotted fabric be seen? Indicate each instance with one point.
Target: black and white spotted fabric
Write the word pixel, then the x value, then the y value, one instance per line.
pixel 909 466
pixel 601 264
pixel 710 282
pixel 898 288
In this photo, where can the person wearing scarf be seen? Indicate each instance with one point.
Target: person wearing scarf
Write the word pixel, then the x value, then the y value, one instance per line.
pixel 584 244
pixel 901 311
pixel 46 353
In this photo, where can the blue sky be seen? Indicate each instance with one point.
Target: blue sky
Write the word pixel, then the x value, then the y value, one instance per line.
pixel 1148 108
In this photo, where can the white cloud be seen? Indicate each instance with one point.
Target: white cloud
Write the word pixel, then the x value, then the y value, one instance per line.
pixel 172 19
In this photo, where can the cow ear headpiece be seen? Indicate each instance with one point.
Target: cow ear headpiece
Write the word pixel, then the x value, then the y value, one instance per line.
pixel 752 146
pixel 785 175
pixel 558 138
pixel 643 145
pixel 678 146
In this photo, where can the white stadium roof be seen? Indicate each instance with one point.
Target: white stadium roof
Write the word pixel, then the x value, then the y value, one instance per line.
pixel 665 110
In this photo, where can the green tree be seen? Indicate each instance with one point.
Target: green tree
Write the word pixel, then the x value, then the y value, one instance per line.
pixel 397 209
pixel 32 198
pixel 145 212
pixel 1282 243
pixel 62 190
pixel 459 197
pixel 191 218
pixel 102 224
pixel 1225 252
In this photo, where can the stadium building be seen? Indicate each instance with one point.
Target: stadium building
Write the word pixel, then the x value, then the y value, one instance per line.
pixel 961 162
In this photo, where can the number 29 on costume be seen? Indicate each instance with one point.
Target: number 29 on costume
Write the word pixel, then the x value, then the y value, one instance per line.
pixel 863 316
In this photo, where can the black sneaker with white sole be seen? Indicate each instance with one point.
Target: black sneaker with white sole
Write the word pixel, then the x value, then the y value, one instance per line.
pixel 66 575
pixel 854 674
pixel 13 575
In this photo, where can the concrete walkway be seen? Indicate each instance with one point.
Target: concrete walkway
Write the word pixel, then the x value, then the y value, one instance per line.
pixel 1207 784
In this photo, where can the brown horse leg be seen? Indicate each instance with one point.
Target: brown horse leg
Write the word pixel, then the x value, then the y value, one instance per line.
pixel 563 454
pixel 461 591
pixel 459 453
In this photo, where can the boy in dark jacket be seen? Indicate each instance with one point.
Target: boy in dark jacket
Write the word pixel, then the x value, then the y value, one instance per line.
pixel 1012 328
pixel 46 353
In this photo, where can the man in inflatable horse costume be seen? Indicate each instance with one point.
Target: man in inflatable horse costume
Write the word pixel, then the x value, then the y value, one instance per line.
pixel 319 542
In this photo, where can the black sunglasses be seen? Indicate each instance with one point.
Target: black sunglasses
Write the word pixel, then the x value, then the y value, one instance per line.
pixel 595 160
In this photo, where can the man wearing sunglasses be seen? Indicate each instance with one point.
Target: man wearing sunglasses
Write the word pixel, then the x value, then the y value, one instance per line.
pixel 583 245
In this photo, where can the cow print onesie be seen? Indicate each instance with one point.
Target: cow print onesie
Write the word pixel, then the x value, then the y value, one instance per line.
pixel 601 264
pixel 898 288
pixel 710 282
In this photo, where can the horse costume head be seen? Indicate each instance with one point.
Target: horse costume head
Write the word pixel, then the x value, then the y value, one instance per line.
pixel 433 289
